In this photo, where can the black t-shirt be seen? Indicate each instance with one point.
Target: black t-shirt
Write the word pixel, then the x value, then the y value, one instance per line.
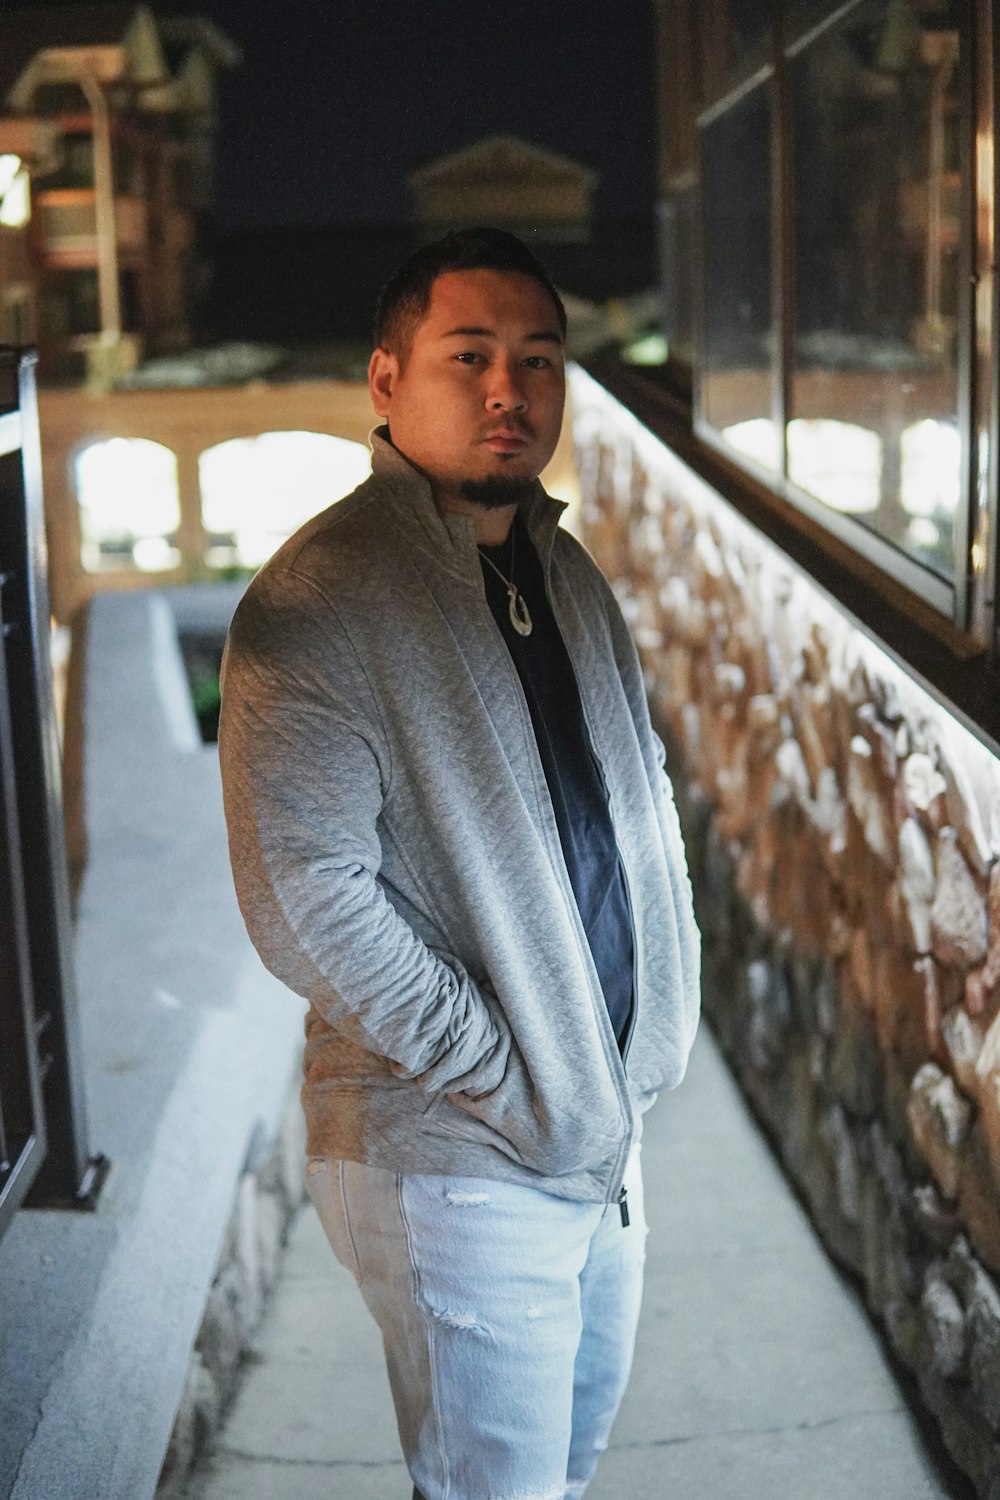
pixel 576 785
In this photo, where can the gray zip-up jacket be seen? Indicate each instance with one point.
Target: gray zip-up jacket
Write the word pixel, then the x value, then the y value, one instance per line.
pixel 397 859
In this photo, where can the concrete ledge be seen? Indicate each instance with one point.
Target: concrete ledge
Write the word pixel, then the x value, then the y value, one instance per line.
pixel 190 1052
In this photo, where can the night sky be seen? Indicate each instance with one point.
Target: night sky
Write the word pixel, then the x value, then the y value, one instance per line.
pixel 338 99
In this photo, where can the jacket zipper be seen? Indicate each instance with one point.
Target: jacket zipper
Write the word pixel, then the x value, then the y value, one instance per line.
pixel 630 1030
pixel 623 1192
pixel 621 1197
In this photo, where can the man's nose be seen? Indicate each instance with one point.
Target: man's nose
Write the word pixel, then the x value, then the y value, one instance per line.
pixel 505 391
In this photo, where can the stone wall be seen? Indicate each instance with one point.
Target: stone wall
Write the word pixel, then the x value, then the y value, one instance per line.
pixel 268 1197
pixel 844 834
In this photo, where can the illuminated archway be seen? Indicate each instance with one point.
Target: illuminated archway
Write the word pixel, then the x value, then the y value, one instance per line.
pixel 255 491
pixel 838 462
pixel 931 486
pixel 126 489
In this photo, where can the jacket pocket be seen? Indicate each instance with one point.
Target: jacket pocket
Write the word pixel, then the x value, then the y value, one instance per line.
pixel 548 1138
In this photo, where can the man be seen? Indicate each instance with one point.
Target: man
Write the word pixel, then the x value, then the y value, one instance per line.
pixel 451 832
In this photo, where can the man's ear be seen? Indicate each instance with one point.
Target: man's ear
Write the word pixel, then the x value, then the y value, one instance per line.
pixel 383 371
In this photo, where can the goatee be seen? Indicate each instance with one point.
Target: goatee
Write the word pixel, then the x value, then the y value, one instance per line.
pixel 496 491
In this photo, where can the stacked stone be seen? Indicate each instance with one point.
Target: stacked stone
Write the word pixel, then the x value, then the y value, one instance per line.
pixel 268 1197
pixel 844 835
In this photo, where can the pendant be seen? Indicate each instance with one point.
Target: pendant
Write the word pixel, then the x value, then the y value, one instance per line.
pixel 518 611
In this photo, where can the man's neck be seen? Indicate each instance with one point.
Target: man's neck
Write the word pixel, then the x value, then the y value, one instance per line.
pixel 492 523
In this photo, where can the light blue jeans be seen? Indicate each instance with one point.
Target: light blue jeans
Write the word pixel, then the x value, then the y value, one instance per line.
pixel 508 1318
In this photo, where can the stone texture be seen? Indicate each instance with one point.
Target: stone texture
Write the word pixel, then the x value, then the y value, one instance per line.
pixel 943 1320
pixel 983 987
pixel 940 1118
pixel 845 851
pixel 866 794
pixel 939 1221
pixel 978 1200
pixel 963 1044
pixel 926 790
pixel 958 915
pixel 847 1173
pixel 964 814
pixel 900 1002
pixel 916 882
pixel 854 1066
pixel 769 1007
pixel 267 1197
pixel 984 1345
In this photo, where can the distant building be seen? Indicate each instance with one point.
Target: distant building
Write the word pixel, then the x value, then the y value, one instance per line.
pixel 509 182
pixel 107 121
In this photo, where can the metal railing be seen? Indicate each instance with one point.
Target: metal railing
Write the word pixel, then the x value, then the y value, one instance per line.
pixel 44 1160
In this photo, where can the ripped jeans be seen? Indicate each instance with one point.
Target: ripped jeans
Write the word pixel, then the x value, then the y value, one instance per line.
pixel 508 1318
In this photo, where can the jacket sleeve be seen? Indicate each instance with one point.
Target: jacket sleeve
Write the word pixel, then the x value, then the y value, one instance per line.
pixel 654 757
pixel 305 766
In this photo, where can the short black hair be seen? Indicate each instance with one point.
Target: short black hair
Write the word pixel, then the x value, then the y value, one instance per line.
pixel 406 296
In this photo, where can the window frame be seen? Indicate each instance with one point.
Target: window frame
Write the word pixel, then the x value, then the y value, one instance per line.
pixel 965 603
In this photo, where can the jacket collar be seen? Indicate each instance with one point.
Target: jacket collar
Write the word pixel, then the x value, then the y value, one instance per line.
pixel 452 538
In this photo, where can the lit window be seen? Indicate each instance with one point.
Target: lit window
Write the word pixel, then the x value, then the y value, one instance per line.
pixel 129 509
pixel 931 478
pixel 755 439
pixel 738 345
pixel 256 491
pixel 930 488
pixel 838 462
pixel 15 196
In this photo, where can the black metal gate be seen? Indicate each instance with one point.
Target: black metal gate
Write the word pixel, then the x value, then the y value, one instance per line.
pixel 43 1135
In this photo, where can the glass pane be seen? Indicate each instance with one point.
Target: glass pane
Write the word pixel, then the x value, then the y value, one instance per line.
pixel 76 163
pixel 677 220
pixel 129 510
pixel 749 27
pixel 874 388
pixel 736 375
pixel 256 491
pixel 736 37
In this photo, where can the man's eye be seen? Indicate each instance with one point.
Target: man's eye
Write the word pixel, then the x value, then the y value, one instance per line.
pixel 468 357
pixel 538 362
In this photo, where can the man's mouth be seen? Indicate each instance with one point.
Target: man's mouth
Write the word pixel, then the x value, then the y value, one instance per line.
pixel 508 439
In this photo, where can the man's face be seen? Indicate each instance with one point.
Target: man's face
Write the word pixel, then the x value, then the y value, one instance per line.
pixel 479 396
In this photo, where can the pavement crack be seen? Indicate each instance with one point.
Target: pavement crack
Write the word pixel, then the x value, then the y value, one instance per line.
pixel 224 1452
pixel 26 1448
pixel 808 1425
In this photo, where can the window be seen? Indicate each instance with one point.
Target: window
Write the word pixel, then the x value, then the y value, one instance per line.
pixel 737 382
pixel 129 507
pixel 830 264
pixel 15 192
pixel 256 491
pixel 679 92
pixel 17 323
pixel 736 38
pixel 72 303
pixel 875 114
pixel 76 166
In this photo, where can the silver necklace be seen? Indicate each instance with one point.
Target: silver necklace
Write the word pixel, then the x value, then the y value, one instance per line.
pixel 520 616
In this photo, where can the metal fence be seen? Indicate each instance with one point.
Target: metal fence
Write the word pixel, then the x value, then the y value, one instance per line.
pixel 44 1159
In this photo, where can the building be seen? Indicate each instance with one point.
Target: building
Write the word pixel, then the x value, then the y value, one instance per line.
pixel 514 184
pixel 800 510
pixel 107 118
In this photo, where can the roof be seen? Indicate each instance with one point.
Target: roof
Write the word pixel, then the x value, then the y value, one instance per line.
pixel 25 32
pixel 181 33
pixel 500 154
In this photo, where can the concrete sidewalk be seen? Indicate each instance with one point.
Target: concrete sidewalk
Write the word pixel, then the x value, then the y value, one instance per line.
pixel 757 1373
